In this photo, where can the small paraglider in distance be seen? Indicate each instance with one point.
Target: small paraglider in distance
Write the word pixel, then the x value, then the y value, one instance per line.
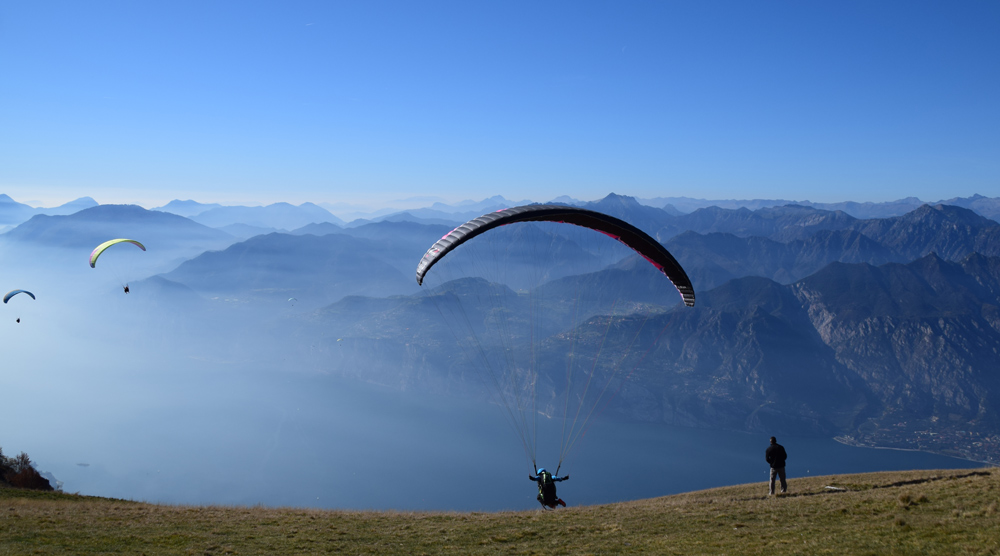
pixel 126 288
pixel 12 293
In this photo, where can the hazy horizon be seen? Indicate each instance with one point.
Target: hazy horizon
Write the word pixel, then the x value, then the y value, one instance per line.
pixel 402 204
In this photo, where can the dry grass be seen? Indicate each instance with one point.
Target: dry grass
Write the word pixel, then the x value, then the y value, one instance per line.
pixel 915 512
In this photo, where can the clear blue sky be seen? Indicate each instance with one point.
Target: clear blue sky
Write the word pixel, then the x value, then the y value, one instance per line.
pixel 256 102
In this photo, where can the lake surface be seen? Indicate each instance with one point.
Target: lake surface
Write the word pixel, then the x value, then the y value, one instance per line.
pixel 198 437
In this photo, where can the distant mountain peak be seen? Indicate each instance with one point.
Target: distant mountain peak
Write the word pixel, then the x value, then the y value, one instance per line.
pixel 620 198
pixel 6 199
pixel 613 201
pixel 790 206
pixel 123 213
pixel 714 209
pixel 109 207
pixel 932 259
pixel 953 213
pixel 566 200
pixel 186 208
pixel 90 226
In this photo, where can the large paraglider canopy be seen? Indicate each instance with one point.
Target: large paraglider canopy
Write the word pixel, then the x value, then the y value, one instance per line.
pixel 104 246
pixel 624 232
pixel 555 308
pixel 12 293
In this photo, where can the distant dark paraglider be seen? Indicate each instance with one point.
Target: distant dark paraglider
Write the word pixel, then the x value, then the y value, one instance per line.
pixel 104 246
pixel 12 293
pixel 633 237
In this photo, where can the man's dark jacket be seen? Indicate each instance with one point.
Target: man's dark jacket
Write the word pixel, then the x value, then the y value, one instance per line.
pixel 776 456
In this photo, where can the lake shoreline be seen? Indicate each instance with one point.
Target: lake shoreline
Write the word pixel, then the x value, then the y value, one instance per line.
pixel 849 441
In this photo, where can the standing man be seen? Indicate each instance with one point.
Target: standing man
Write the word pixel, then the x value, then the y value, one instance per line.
pixel 776 456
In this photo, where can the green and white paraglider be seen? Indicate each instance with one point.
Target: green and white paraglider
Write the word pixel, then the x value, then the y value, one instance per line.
pixel 104 247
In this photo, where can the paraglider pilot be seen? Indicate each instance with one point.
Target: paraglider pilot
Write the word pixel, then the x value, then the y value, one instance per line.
pixel 126 288
pixel 547 488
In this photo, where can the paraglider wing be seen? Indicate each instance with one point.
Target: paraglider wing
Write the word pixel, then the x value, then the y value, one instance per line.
pixel 102 247
pixel 12 293
pixel 633 237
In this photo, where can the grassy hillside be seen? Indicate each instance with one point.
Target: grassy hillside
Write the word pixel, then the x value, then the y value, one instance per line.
pixel 914 512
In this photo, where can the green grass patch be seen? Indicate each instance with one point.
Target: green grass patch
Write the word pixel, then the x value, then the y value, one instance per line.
pixel 913 512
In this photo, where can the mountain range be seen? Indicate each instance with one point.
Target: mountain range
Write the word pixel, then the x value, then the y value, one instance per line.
pixel 284 216
pixel 880 331
pixel 12 212
pixel 276 267
pixel 882 354
pixel 986 206
pixel 88 227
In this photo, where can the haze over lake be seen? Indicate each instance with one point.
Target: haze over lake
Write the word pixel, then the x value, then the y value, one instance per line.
pixel 196 437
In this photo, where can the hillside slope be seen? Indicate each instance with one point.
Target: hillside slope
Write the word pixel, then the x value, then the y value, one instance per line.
pixel 911 512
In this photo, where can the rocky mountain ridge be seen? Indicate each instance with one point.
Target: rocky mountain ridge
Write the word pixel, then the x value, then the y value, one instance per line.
pixel 879 331
pixel 897 354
